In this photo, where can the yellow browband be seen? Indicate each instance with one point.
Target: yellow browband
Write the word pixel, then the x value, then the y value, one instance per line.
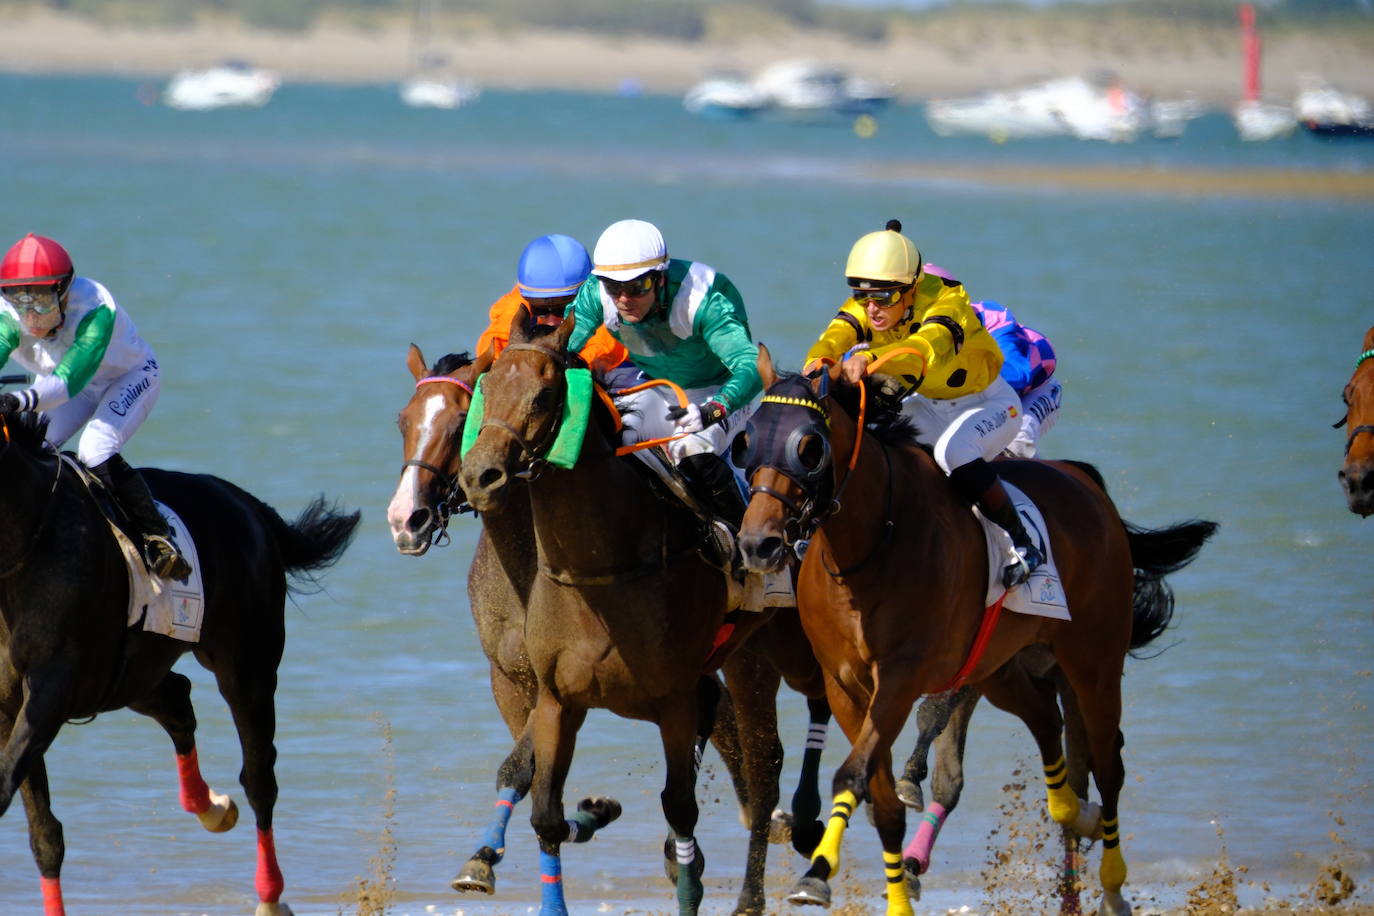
pixel 795 402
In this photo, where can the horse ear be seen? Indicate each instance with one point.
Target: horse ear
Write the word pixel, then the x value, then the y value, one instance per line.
pixel 483 361
pixel 415 362
pixel 765 363
pixel 560 337
pixel 519 327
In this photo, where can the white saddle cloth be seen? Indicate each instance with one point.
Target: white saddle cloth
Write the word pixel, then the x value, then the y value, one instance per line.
pixel 1042 594
pixel 164 606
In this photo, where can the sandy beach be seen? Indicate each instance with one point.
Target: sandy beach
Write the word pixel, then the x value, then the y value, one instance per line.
pixel 965 54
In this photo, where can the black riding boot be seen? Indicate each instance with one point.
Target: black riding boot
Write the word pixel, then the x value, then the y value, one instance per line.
pixel 997 506
pixel 978 483
pixel 713 481
pixel 129 488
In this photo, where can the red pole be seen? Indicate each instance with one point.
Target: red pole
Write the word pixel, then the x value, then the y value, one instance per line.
pixel 1250 48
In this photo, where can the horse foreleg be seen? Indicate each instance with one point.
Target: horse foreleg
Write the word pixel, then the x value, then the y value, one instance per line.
pixel 754 683
pixel 554 728
pixel 1076 742
pixel 45 837
pixel 947 785
pixel 513 781
pixel 806 827
pixel 34 726
pixel 678 722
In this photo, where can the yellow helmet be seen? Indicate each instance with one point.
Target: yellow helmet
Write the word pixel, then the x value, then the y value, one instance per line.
pixel 885 258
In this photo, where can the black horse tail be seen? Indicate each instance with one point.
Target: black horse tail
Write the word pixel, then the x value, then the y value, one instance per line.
pixel 314 541
pixel 1155 553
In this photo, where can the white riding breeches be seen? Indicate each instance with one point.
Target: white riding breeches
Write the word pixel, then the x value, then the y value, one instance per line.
pixel 1039 413
pixel 960 430
pixel 645 415
pixel 111 414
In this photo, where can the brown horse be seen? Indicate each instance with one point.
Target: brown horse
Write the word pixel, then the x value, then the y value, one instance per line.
pixel 891 594
pixel 623 613
pixel 1357 473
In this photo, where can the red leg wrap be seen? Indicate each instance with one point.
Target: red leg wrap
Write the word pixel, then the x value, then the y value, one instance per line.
pixel 269 879
pixel 195 794
pixel 52 897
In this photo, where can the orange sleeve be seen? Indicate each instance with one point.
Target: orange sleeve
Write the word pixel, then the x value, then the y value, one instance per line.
pixel 497 334
pixel 603 352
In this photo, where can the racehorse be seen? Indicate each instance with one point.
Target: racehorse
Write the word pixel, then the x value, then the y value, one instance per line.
pixel 1357 472
pixel 69 654
pixel 891 595
pixel 623 614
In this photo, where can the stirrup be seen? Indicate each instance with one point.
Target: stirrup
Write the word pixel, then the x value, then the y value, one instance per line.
pixel 163 558
pixel 1028 560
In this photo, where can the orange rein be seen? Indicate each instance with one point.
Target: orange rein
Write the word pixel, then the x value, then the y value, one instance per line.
pixel 606 398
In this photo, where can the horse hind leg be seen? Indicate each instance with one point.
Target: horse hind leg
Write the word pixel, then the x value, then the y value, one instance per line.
pixel 950 733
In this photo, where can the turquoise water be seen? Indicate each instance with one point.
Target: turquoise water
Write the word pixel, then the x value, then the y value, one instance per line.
pixel 282 259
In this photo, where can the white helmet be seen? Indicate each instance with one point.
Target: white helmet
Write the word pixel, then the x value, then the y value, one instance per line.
pixel 628 249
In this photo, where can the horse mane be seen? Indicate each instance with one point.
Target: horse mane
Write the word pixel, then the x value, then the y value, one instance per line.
pixel 883 416
pixel 29 430
pixel 451 363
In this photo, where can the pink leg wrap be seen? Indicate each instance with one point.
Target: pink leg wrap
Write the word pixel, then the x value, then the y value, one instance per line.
pixel 924 841
pixel 195 794
pixel 269 880
pixel 52 897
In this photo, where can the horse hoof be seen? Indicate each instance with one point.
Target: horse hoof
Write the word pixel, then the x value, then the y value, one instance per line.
pixel 1089 822
pixel 476 875
pixel 1113 904
pixel 909 794
pixel 810 892
pixel 780 827
pixel 911 876
pixel 272 909
pixel 222 814
pixel 603 809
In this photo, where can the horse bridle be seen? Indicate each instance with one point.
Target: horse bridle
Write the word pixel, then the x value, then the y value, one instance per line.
pixel 452 500
pixel 536 453
pixel 1363 427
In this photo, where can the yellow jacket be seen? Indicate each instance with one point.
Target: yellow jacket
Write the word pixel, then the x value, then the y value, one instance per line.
pixel 955 353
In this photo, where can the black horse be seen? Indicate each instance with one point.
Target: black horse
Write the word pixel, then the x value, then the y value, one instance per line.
pixel 66 651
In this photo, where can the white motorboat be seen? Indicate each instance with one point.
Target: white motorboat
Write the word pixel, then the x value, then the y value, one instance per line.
pixel 724 96
pixel 1258 121
pixel 233 83
pixel 804 88
pixel 1323 109
pixel 1070 106
pixel 438 92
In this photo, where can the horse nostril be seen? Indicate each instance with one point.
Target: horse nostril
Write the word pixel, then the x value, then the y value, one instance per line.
pixel 489 478
pixel 418 521
pixel 770 548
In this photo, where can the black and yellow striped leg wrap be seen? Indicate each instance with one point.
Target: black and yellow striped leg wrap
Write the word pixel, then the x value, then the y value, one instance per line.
pixel 1113 871
pixel 898 904
pixel 828 850
pixel 1063 803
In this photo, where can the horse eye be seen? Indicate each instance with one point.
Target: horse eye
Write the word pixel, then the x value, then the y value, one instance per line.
pixel 811 451
pixel 543 401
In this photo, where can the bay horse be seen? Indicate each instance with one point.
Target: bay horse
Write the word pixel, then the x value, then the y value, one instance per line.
pixel 1357 472
pixel 68 652
pixel 623 614
pixel 891 594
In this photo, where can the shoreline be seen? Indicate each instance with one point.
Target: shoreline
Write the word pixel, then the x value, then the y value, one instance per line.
pixel 969 57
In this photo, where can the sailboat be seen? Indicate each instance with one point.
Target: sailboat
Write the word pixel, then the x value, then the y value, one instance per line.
pixel 1255 119
pixel 430 85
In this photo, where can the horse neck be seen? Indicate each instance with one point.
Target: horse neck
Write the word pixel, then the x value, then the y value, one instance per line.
pixel 25 499
pixel 511 528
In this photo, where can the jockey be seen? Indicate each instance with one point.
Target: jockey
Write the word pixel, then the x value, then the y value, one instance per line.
pixel 685 322
pixel 952 390
pixel 92 369
pixel 548 275
pixel 1027 365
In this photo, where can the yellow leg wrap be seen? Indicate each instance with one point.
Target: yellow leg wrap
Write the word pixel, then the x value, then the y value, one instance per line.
pixel 829 846
pixel 1113 871
pixel 1063 803
pixel 898 904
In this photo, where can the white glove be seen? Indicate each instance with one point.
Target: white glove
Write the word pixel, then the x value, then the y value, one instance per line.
pixel 689 421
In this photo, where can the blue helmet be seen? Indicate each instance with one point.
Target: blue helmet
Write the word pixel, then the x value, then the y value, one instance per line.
pixel 552 266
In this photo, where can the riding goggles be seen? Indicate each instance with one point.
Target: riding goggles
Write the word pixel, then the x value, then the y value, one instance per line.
pixel 639 286
pixel 26 299
pixel 880 297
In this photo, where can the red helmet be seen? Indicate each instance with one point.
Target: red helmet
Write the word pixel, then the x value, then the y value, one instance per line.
pixel 36 261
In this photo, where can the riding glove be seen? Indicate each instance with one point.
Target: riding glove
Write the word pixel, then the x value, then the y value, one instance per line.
pixel 695 417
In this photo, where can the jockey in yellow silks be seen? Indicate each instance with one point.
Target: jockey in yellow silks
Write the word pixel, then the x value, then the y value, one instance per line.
pixel 947 364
